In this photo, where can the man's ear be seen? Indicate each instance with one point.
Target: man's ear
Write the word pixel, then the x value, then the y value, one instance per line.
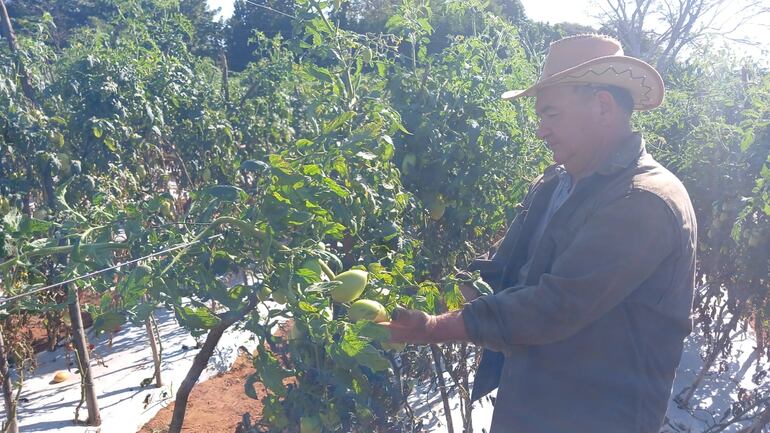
pixel 607 104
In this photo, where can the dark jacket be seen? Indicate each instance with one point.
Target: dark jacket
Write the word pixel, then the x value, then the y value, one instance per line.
pixel 591 342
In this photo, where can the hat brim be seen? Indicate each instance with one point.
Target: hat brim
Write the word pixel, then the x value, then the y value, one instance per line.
pixel 639 78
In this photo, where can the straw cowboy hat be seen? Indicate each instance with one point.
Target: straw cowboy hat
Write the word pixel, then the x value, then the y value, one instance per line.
pixel 597 59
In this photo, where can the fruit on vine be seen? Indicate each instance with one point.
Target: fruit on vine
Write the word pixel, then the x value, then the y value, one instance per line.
pixel 353 284
pixel 165 210
pixel 263 293
pixel 408 164
pixel 436 207
pixel 279 296
pixel 367 54
pixel 65 164
pixel 755 238
pixel 310 424
pixel 366 309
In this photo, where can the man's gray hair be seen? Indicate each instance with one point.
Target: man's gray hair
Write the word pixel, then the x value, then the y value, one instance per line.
pixel 622 96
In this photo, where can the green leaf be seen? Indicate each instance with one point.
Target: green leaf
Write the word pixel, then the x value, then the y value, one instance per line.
pixel 253 165
pixel 248 386
pixel 108 322
pixel 748 139
pixel 338 121
pixel 311 169
pixel 366 155
pixel 32 225
pixel 270 372
pixel 323 286
pixel 224 192
pixel 352 344
pixel 336 188
pixel 372 330
pixel 320 74
pixel 98 131
pixel 195 318
pixel 372 358
pixel 111 145
pixel 277 161
pixel 11 220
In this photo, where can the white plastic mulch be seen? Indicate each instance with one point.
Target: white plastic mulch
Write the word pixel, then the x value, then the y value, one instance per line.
pixel 709 403
pixel 125 406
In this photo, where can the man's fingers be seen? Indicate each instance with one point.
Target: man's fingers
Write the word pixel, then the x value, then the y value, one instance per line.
pixel 406 325
pixel 408 318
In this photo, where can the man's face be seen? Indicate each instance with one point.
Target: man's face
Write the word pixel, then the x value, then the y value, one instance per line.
pixel 569 125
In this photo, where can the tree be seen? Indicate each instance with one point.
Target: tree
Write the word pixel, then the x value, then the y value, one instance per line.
pixel 270 17
pixel 207 40
pixel 658 30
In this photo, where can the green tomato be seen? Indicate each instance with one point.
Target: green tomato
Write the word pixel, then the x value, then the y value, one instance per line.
pixel 263 293
pixel 436 207
pixel 310 424
pixel 166 211
pixel 65 163
pixel 353 285
pixel 408 164
pixel 366 309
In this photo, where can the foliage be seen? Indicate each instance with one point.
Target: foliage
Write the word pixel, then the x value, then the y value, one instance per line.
pixel 367 136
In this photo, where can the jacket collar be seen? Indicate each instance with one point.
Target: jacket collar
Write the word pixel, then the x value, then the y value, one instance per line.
pixel 627 154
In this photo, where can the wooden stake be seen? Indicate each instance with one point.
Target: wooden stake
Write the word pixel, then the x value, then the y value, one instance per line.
pixel 81 345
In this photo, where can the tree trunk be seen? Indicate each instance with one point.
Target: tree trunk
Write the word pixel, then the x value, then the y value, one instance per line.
pixel 155 351
pixel 11 425
pixel 26 87
pixel 201 361
pixel 81 345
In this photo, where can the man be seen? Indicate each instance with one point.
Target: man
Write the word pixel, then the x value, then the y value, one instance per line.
pixel 594 279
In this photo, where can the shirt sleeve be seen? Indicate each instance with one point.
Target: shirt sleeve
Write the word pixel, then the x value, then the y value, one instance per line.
pixel 617 248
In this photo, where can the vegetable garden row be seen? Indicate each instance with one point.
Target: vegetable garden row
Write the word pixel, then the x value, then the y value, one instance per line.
pixel 336 155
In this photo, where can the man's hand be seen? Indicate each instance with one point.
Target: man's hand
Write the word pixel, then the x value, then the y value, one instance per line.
pixel 412 326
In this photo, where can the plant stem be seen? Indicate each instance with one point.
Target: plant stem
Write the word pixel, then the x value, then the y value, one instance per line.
pixel 442 387
pixel 12 425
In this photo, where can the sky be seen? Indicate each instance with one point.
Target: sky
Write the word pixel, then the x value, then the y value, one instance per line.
pixel 586 12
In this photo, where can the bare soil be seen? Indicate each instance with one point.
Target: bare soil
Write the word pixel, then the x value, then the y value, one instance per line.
pixel 216 405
